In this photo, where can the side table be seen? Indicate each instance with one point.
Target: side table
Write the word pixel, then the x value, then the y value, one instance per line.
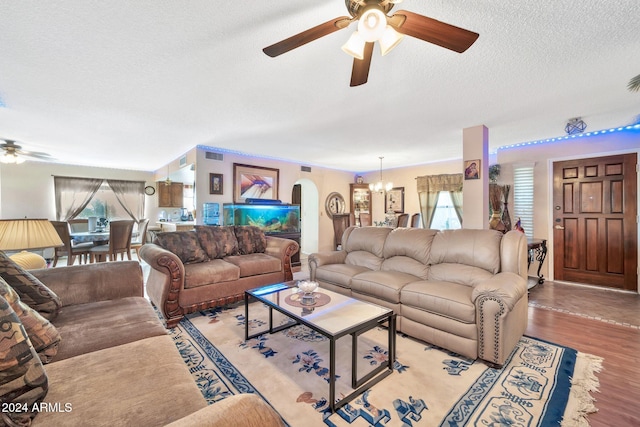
pixel 537 249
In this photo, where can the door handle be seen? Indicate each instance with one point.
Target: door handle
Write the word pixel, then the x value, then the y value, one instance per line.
pixel 559 227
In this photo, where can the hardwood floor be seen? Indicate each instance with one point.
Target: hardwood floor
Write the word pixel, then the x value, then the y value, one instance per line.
pixel 600 322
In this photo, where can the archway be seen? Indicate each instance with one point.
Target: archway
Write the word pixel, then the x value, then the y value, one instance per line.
pixel 309 217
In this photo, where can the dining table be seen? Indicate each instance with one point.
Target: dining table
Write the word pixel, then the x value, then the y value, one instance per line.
pixel 97 237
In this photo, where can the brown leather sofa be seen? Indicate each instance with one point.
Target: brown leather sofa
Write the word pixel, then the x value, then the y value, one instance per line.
pixel 115 364
pixel 462 290
pixel 212 266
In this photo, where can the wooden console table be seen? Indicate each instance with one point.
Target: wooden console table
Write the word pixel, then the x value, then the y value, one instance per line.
pixel 537 249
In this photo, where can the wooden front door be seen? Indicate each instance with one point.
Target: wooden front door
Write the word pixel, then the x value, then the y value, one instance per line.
pixel 594 221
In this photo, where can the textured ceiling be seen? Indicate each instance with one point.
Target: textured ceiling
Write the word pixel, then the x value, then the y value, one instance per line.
pixel 135 84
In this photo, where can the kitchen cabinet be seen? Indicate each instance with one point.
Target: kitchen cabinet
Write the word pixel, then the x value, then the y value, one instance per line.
pixel 170 195
pixel 360 200
pixel 175 226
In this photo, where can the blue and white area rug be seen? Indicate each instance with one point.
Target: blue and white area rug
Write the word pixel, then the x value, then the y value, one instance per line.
pixel 542 384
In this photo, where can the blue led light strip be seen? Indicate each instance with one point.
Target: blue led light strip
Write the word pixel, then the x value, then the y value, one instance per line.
pixel 567 137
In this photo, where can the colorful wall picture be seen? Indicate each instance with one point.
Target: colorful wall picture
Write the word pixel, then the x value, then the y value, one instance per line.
pixel 472 169
pixel 254 182
pixel 215 183
pixel 394 200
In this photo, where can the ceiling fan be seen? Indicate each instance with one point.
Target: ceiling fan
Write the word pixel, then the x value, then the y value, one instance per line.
pixel 13 153
pixel 375 25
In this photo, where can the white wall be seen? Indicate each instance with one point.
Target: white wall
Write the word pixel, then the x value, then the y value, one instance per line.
pixel 26 190
pixel 543 155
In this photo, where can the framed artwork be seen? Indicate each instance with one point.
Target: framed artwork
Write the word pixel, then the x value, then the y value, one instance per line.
pixel 215 183
pixel 472 169
pixel 394 200
pixel 254 182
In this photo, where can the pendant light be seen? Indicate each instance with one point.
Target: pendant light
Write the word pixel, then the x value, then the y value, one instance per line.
pixel 380 186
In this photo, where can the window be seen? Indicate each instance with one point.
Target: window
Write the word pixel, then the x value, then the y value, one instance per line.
pixel 523 197
pixel 104 204
pixel 444 217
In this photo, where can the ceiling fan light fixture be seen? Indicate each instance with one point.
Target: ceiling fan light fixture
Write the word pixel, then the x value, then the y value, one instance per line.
pixel 390 39
pixel 11 158
pixel 355 46
pixel 372 24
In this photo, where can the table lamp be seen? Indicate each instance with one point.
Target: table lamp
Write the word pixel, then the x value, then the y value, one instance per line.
pixel 21 234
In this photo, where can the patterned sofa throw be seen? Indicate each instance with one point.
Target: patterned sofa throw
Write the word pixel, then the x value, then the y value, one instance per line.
pixel 251 240
pixel 31 290
pixel 23 381
pixel 43 335
pixel 217 242
pixel 184 244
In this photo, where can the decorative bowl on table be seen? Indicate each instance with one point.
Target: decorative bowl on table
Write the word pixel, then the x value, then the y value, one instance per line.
pixel 307 288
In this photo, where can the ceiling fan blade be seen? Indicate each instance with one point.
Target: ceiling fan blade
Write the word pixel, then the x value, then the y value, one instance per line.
pixel 307 36
pixel 360 70
pixel 434 31
pixel 34 154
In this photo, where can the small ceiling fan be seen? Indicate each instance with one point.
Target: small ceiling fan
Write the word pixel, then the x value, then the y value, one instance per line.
pixel 375 25
pixel 13 153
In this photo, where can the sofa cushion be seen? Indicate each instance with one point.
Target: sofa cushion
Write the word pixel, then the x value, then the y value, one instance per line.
pixel 102 324
pixel 478 248
pixel 255 264
pixel 385 285
pixel 43 335
pixel 217 242
pixel 339 274
pixel 367 239
pixel 22 377
pixel 446 299
pixel 458 273
pixel 250 239
pixel 142 383
pixel 184 244
pixel 31 290
pixel 207 273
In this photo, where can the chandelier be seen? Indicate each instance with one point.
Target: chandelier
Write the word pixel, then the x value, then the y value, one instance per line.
pixel 380 186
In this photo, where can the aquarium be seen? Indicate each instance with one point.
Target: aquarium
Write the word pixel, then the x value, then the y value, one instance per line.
pixel 272 219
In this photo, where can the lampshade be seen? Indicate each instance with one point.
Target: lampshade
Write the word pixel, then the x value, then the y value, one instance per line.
pixel 355 46
pixel 372 24
pixel 11 158
pixel 17 234
pixel 390 39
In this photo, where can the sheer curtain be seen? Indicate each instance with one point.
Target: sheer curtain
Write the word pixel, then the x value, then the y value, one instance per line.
pixel 430 186
pixel 130 194
pixel 73 194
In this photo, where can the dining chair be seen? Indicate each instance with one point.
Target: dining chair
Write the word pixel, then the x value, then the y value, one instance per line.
pixel 416 220
pixel 79 225
pixel 141 239
pixel 403 220
pixel 119 242
pixel 365 219
pixel 70 250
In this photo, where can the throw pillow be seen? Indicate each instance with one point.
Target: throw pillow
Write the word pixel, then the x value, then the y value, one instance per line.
pixel 218 242
pixel 23 381
pixel 43 335
pixel 31 290
pixel 184 244
pixel 251 239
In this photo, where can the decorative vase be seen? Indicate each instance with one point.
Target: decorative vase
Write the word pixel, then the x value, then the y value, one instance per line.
pixel 506 218
pixel 495 223
pixel 308 288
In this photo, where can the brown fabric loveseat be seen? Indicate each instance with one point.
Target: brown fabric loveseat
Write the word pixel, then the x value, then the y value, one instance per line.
pixel 463 290
pixel 212 266
pixel 105 360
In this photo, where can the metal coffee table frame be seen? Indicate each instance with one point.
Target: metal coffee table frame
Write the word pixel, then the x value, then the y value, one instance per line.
pixel 358 384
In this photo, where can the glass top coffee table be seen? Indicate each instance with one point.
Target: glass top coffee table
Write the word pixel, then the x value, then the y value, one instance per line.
pixel 334 316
